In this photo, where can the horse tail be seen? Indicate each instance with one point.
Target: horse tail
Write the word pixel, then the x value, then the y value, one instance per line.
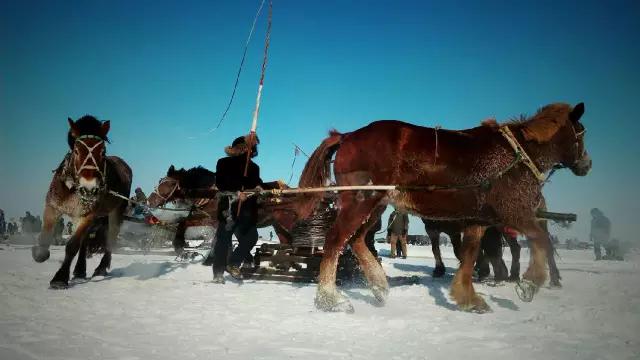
pixel 317 171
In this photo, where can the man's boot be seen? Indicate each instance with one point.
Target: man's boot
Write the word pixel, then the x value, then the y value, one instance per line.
pixel 218 278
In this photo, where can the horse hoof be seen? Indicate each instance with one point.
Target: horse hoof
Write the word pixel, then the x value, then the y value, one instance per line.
pixel 381 294
pixel 58 285
pixel 513 279
pixel 555 285
pixel 333 303
pixel 100 272
pixel 526 289
pixel 476 305
pixel 439 271
pixel 40 253
pixel 79 276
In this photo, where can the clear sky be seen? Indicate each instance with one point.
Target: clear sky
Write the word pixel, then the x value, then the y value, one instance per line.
pixel 162 72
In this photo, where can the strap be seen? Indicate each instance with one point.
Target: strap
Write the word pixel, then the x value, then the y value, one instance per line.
pixel 511 139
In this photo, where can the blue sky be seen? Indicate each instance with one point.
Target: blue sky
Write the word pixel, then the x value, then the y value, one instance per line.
pixel 162 72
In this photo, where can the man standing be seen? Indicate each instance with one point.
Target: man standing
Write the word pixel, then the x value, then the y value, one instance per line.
pixel 600 231
pixel 3 224
pixel 398 229
pixel 230 177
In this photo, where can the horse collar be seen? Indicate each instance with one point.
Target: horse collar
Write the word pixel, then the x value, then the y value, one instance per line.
pixel 515 145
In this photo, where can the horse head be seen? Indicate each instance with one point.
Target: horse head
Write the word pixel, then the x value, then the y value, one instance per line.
pixel 168 188
pixel 87 139
pixel 559 125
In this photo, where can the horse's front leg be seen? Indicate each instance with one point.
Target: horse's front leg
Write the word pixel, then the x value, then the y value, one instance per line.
pixel 439 270
pixel 536 274
pixel 350 218
pixel 462 289
pixel 61 278
pixel 40 251
pixel 114 223
pixel 80 270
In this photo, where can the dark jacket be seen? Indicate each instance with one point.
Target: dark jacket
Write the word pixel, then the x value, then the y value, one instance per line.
pixel 398 223
pixel 230 177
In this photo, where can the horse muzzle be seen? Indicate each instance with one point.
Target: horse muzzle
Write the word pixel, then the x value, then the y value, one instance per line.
pixel 582 166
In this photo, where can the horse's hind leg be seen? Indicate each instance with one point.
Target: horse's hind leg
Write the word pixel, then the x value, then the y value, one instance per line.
pixel 439 270
pixel 370 266
pixel 462 289
pixel 350 218
pixel 80 271
pixel 61 278
pixel 40 252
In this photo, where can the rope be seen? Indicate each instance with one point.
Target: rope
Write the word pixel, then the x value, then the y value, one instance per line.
pixel 244 55
pixel 506 132
pixel 435 157
pixel 295 155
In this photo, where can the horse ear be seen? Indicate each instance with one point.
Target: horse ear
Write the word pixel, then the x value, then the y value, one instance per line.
pixel 104 129
pixel 577 112
pixel 171 170
pixel 73 128
pixel 541 131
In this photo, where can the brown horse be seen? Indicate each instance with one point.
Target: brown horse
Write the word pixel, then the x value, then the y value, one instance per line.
pixel 488 175
pixel 80 189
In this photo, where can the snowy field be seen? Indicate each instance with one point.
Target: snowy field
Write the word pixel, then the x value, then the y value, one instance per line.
pixel 154 308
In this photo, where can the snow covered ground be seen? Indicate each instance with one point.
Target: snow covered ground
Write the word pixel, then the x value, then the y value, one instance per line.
pixel 154 308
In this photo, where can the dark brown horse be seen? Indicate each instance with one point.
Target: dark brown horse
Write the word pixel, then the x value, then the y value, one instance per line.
pixel 80 189
pixel 488 175
pixel 177 185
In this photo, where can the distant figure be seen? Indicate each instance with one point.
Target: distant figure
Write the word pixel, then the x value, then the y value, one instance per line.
pixel 58 229
pixel 3 224
pixel 600 231
pixel 37 224
pixel 69 229
pixel 28 223
pixel 398 229
pixel 140 199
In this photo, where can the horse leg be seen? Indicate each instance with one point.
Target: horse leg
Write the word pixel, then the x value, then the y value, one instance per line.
pixel 114 223
pixel 493 250
pixel 80 271
pixel 373 272
pixel 61 278
pixel 456 242
pixel 515 258
pixel 179 242
pixel 462 289
pixel 352 214
pixel 554 273
pixel 439 270
pixel 536 274
pixel 40 252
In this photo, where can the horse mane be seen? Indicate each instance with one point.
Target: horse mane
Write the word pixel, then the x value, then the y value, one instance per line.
pixel 540 127
pixel 86 125
pixel 196 178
